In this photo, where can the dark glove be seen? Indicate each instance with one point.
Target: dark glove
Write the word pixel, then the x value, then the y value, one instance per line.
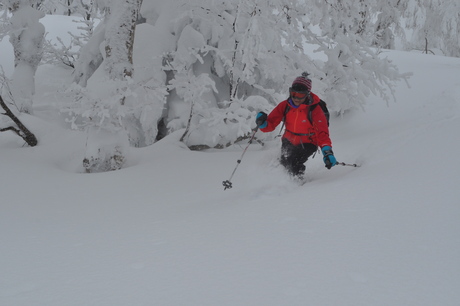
pixel 329 159
pixel 261 120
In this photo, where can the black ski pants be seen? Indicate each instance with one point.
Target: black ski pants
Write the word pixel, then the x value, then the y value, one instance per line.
pixel 293 157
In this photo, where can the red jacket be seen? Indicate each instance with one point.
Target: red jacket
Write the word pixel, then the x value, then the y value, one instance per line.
pixel 298 128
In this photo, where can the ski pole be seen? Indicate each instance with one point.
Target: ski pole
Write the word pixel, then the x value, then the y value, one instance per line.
pixel 228 184
pixel 349 165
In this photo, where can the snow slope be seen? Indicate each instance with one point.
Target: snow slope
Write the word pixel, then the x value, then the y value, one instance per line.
pixel 164 232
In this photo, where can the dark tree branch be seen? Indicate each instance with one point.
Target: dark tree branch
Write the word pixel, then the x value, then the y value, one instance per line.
pixel 22 132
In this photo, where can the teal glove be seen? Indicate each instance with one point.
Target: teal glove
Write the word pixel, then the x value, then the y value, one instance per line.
pixel 261 120
pixel 329 158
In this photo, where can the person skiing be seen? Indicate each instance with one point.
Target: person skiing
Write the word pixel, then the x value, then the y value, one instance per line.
pixel 306 127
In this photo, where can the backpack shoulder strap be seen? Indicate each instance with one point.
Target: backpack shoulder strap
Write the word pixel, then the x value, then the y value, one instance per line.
pixel 286 110
pixel 310 110
pixel 323 106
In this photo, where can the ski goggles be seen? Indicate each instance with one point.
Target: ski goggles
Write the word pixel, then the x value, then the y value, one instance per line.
pixel 298 95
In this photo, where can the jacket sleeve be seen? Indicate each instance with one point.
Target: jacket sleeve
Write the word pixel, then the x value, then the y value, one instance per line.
pixel 321 127
pixel 275 117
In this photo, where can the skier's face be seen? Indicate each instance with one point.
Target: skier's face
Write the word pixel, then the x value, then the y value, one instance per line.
pixel 298 97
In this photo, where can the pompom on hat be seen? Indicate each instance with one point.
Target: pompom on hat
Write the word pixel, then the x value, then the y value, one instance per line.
pixel 301 83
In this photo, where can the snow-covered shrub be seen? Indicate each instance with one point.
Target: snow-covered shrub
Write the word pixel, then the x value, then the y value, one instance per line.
pixel 105 151
pixel 221 127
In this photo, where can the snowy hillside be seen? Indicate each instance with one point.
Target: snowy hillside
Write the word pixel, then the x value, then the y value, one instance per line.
pixel 163 231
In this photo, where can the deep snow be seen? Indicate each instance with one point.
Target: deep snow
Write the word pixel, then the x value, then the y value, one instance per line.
pixel 163 231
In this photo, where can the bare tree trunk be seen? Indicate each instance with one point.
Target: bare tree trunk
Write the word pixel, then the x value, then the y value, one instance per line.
pixel 21 129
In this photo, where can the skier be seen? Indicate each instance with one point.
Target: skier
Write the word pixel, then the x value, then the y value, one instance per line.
pixel 306 127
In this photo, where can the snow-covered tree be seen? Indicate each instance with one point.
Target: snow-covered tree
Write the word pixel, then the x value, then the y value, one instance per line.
pixel 119 39
pixel 247 48
pixel 26 35
pixel 209 66
pixel 250 48
pixel 352 69
pixel 90 56
pixel 110 91
pixel 60 7
pixel 435 25
pixel 70 6
pixel 4 21
pixel 388 25
pixel 142 94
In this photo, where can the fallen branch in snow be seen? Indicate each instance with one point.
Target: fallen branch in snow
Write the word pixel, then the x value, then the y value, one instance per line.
pixel 21 131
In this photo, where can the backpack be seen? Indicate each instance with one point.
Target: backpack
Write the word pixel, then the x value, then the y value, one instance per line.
pixel 323 106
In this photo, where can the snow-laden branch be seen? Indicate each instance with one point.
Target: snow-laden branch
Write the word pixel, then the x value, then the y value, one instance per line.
pixel 21 130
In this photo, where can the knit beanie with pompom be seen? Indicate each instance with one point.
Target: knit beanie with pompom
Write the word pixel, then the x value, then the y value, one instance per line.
pixel 301 84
